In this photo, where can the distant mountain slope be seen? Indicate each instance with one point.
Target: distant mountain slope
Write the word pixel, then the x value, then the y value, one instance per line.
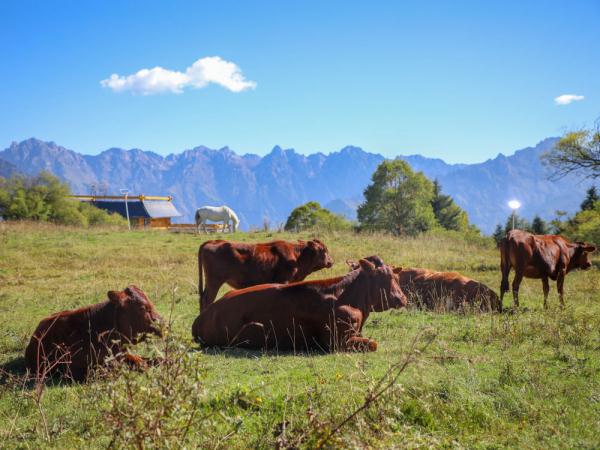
pixel 7 169
pixel 484 189
pixel 269 187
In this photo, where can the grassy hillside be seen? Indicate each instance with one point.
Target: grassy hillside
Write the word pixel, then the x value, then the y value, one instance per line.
pixel 526 379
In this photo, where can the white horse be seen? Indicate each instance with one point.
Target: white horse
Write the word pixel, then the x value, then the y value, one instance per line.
pixel 217 214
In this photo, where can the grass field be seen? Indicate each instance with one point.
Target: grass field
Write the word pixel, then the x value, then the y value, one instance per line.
pixel 526 379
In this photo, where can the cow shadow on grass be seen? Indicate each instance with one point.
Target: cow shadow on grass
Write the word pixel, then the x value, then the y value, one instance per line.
pixel 14 373
pixel 13 368
pixel 245 353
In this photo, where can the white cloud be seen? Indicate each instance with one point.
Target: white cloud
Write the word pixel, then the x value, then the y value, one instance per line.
pixel 565 99
pixel 158 80
pixel 216 70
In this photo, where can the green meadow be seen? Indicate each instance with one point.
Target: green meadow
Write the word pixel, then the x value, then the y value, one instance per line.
pixel 526 379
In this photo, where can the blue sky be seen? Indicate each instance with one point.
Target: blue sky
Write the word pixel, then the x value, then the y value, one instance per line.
pixel 457 80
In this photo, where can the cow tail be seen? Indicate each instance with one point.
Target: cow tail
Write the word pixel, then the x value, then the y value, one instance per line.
pixel 200 273
pixel 504 264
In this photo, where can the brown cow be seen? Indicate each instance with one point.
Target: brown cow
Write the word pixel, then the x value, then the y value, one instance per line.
pixel 540 256
pixel 71 342
pixel 449 290
pixel 243 265
pixel 302 315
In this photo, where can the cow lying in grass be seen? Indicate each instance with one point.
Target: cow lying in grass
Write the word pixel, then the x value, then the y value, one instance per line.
pixel 320 315
pixel 72 342
pixel 540 256
pixel 243 265
pixel 441 290
pixel 447 290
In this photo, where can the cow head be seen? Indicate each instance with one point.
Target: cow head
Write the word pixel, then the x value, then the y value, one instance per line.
pixel 384 290
pixel 353 265
pixel 135 313
pixel 581 259
pixel 317 254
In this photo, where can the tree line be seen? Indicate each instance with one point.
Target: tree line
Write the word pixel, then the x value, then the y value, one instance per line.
pixel 584 225
pixel 44 198
pixel 398 200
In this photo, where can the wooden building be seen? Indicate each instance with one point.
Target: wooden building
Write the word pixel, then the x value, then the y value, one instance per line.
pixel 144 211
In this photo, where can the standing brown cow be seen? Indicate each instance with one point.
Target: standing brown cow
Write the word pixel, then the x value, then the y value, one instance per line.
pixel 243 265
pixel 71 342
pixel 540 256
pixel 302 315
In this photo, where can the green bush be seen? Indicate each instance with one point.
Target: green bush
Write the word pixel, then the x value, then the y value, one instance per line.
pixel 585 225
pixel 44 198
pixel 311 215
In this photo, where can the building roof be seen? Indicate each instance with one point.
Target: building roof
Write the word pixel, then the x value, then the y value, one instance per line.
pixel 151 209
pixel 157 209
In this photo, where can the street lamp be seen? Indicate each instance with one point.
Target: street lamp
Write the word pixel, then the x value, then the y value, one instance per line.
pixel 126 192
pixel 514 205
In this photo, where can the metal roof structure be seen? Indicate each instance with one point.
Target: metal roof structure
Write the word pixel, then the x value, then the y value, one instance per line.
pixel 139 206
pixel 157 208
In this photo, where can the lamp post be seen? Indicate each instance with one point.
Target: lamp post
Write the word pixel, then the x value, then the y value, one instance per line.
pixel 126 192
pixel 514 205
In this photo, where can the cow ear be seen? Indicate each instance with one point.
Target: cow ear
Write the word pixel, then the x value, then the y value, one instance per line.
pixel 352 264
pixel 116 297
pixel 376 260
pixel 589 248
pixel 366 265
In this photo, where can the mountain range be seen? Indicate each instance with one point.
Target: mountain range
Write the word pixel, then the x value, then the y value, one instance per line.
pixel 266 188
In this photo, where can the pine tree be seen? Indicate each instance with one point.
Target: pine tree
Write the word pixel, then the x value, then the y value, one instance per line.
pixel 499 233
pixel 520 223
pixel 591 197
pixel 448 214
pixel 539 226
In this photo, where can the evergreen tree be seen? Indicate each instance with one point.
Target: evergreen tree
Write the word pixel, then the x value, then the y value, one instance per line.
pixel 539 226
pixel 559 223
pixel 448 214
pixel 520 223
pixel 499 233
pixel 591 197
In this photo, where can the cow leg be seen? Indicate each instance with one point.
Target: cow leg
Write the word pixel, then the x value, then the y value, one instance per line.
pixel 505 267
pixel 360 344
pixel 134 361
pixel 504 285
pixel 515 286
pixel 349 338
pixel 546 288
pixel 560 281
